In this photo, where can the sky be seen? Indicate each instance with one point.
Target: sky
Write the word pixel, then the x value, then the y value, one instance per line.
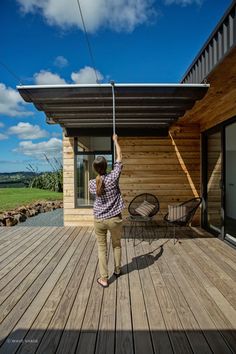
pixel 133 41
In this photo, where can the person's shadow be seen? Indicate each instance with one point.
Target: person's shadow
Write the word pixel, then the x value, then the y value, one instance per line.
pixel 140 262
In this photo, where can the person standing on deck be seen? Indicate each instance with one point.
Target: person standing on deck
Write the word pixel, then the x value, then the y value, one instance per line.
pixel 107 211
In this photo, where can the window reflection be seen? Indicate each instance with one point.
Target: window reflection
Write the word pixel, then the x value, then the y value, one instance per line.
pixel 87 150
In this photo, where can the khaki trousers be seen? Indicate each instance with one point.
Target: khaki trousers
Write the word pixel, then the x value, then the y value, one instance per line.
pixel 114 225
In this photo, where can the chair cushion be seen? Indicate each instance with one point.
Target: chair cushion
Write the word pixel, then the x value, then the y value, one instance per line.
pixel 177 211
pixel 145 208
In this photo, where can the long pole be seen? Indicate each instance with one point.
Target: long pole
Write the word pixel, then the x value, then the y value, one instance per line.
pixel 114 112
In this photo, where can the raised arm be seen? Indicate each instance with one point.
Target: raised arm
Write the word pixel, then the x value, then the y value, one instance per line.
pixel 118 149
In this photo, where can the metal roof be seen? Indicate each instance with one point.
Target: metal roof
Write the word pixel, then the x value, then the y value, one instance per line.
pixel 88 108
pixel 221 41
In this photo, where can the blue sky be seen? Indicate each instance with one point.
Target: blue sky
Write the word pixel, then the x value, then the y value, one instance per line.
pixel 133 41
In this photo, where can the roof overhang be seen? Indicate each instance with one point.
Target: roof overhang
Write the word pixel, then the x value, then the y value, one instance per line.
pixel 146 109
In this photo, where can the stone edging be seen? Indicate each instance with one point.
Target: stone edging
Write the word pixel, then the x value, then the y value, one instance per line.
pixel 13 217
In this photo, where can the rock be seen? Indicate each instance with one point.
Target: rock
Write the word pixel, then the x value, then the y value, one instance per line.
pixel 20 214
pixel 7 214
pixel 1 217
pixel 41 210
pixel 59 204
pixel 20 217
pixel 32 212
pixel 22 210
pixel 47 208
pixel 11 221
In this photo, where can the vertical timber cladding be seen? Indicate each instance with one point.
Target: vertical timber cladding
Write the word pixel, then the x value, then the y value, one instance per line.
pixel 168 167
pixel 72 216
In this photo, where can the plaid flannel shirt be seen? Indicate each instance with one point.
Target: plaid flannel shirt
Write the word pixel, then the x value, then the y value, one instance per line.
pixel 110 203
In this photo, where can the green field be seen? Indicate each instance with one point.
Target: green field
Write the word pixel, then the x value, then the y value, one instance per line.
pixel 11 198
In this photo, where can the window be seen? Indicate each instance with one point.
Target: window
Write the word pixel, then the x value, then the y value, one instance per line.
pixel 87 148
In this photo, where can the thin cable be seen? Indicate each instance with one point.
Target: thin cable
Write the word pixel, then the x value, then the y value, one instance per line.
pixel 11 72
pixel 88 43
pixel 18 80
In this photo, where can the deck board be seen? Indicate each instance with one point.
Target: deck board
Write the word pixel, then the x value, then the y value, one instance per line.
pixel 216 342
pixel 200 284
pixel 171 298
pixel 141 330
pixel 20 262
pixel 124 333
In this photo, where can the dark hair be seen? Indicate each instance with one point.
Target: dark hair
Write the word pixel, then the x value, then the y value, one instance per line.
pixel 100 166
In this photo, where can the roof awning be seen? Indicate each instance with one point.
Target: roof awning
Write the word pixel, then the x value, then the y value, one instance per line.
pixel 88 109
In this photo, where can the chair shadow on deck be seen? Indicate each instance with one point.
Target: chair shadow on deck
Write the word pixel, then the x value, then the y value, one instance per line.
pixel 159 230
pixel 50 341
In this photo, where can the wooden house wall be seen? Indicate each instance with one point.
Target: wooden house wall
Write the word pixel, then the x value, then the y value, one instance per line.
pixel 219 104
pixel 167 167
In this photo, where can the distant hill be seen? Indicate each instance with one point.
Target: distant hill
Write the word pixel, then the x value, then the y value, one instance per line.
pixel 15 179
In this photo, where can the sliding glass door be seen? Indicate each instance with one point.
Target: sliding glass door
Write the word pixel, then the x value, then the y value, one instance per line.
pixel 219 180
pixel 230 182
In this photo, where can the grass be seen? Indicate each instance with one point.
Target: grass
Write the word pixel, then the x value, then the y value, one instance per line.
pixel 11 198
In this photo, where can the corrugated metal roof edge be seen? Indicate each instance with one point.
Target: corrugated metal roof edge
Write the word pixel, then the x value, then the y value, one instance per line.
pixel 227 12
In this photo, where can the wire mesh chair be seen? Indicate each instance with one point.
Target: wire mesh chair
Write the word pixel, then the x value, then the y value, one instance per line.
pixel 181 215
pixel 141 210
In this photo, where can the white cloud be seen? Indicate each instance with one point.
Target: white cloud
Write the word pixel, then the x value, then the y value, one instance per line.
pixel 27 131
pixel 52 148
pixel 11 103
pixel 119 15
pixel 1 125
pixel 86 76
pixel 3 136
pixel 183 2
pixel 48 78
pixel 61 61
pixel 56 134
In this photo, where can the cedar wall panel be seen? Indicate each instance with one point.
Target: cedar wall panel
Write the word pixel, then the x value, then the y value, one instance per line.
pixel 167 167
pixel 219 104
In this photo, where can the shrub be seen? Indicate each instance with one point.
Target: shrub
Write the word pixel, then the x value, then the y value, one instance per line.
pixel 52 181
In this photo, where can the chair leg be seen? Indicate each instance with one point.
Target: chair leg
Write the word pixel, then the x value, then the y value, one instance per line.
pixel 153 232
pixel 134 236
pixel 130 230
pixel 166 229
pixel 174 234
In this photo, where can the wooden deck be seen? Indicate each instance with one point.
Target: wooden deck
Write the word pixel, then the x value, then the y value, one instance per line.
pixel 170 299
